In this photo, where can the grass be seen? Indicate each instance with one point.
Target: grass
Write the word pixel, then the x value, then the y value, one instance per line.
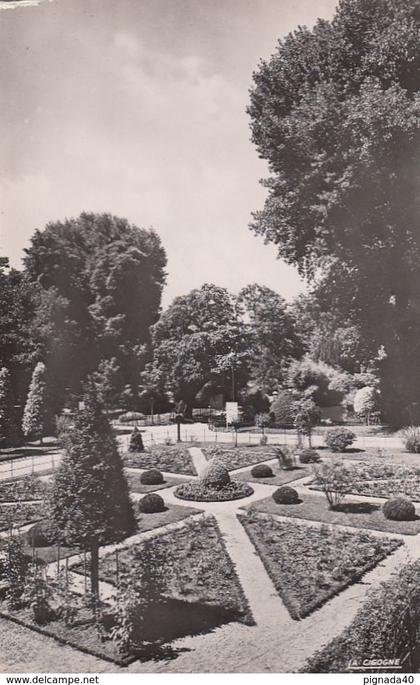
pixel 198 568
pixel 136 485
pixel 363 515
pixel 240 456
pixel 170 458
pixel 308 565
pixel 145 522
pixel 281 476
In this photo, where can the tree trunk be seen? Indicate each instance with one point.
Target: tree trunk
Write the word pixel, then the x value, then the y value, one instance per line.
pixel 94 571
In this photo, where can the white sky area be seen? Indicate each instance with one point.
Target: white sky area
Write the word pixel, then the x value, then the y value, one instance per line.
pixel 137 108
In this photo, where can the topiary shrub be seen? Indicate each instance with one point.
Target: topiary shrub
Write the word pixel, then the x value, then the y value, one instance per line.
pixel 151 477
pixel 285 495
pixel 308 456
pixel 41 534
pixel 399 509
pixel 136 442
pixel 151 503
pixel 410 437
pixel 262 471
pixel 286 458
pixel 215 475
pixel 339 438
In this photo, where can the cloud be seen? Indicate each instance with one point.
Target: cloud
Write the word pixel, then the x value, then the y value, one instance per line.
pixel 12 4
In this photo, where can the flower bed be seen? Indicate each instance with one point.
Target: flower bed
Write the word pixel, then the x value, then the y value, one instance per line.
pixel 308 565
pixel 172 458
pixel 281 476
pixel 382 479
pixel 199 492
pixel 242 455
pixel 20 514
pixel 23 489
pixel 362 515
pixel 198 567
pixel 136 485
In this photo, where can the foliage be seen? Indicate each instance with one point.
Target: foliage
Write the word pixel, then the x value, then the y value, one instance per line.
pixel 100 280
pixel 136 441
pixel 262 471
pixel 262 420
pixel 335 112
pixel 242 455
pixel 27 488
pixel 285 495
pixel 90 503
pixel 215 475
pixel 410 437
pixel 42 534
pixel 334 479
pixel 151 477
pixel 5 404
pixel 33 422
pixel 308 565
pixel 38 594
pixel 338 439
pixel 386 624
pixel 366 401
pixel 273 339
pixel 283 407
pixel 198 491
pixel 16 570
pixel 307 455
pixel 151 503
pixel 313 379
pixel 399 509
pixel 306 416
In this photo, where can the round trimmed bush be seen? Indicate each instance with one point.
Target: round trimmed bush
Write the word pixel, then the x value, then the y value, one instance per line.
pixel 339 438
pixel 308 456
pixel 151 477
pixel 285 495
pixel 399 509
pixel 151 503
pixel 215 475
pixel 262 471
pixel 40 534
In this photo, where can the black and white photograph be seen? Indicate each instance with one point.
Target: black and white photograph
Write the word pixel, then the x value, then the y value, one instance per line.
pixel 209 339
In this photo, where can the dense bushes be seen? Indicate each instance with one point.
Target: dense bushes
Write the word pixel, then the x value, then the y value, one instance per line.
pixel 151 477
pixel 262 471
pixel 41 534
pixel 285 495
pixel 410 437
pixel 197 491
pixel 339 438
pixel 307 455
pixel 335 480
pixel 283 408
pixel 215 474
pixel 136 442
pixel 151 503
pixel 399 509
pixel 387 625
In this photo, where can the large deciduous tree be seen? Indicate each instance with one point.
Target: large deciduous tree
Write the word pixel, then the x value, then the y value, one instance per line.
pixel 100 281
pixel 200 347
pixel 90 503
pixel 336 112
pixel 273 339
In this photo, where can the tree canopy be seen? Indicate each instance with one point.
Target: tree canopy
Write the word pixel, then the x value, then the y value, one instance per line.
pixel 336 113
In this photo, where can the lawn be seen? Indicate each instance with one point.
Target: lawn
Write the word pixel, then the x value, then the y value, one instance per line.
pixel 365 515
pixel 198 568
pixel 137 486
pixel 171 458
pixel 308 565
pixel 172 514
pixel 281 476
pixel 242 455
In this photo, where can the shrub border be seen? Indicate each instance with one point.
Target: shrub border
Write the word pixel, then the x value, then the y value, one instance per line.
pixel 237 496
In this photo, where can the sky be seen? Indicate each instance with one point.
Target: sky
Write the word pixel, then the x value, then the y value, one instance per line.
pixel 137 108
